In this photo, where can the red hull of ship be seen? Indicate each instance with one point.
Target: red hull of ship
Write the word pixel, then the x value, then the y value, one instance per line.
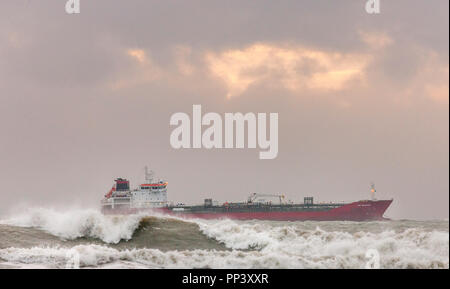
pixel 356 211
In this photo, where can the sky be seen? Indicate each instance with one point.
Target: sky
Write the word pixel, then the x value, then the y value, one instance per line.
pixel 361 98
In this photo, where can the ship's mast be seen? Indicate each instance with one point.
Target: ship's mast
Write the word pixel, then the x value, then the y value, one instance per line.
pixel 148 175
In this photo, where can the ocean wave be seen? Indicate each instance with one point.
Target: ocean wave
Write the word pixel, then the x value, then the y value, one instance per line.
pixel 166 242
pixel 409 248
pixel 74 224
pixel 97 256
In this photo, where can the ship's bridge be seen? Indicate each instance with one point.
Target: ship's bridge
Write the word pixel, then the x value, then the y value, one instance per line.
pixel 150 195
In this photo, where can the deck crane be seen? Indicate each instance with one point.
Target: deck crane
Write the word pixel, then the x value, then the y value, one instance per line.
pixel 255 196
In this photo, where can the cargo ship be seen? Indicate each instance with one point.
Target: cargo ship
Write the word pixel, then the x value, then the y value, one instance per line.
pixel 151 197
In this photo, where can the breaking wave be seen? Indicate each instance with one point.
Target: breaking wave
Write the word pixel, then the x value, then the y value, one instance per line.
pixel 78 223
pixel 314 247
pixel 165 242
pixel 97 256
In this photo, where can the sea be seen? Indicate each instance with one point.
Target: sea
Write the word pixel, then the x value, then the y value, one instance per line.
pixel 85 238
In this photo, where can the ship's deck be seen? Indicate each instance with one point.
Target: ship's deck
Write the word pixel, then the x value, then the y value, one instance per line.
pixel 245 207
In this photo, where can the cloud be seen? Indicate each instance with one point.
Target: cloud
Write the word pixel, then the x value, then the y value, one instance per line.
pixel 431 80
pixel 139 55
pixel 375 39
pixel 435 79
pixel 141 70
pixel 182 55
pixel 439 92
pixel 295 68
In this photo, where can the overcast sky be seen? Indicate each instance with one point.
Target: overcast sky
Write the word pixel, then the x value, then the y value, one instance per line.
pixel 361 98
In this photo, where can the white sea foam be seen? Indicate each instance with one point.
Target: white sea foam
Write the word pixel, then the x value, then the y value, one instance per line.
pixel 335 256
pixel 100 256
pixel 317 248
pixel 253 244
pixel 72 224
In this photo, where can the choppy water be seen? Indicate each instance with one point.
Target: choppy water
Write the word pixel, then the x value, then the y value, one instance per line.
pixel 43 238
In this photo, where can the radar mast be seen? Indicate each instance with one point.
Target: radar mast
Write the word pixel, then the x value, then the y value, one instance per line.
pixel 372 191
pixel 148 175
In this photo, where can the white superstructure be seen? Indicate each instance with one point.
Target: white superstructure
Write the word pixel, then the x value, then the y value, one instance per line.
pixel 148 195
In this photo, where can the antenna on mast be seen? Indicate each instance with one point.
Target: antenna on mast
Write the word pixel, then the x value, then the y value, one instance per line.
pixel 372 191
pixel 148 175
